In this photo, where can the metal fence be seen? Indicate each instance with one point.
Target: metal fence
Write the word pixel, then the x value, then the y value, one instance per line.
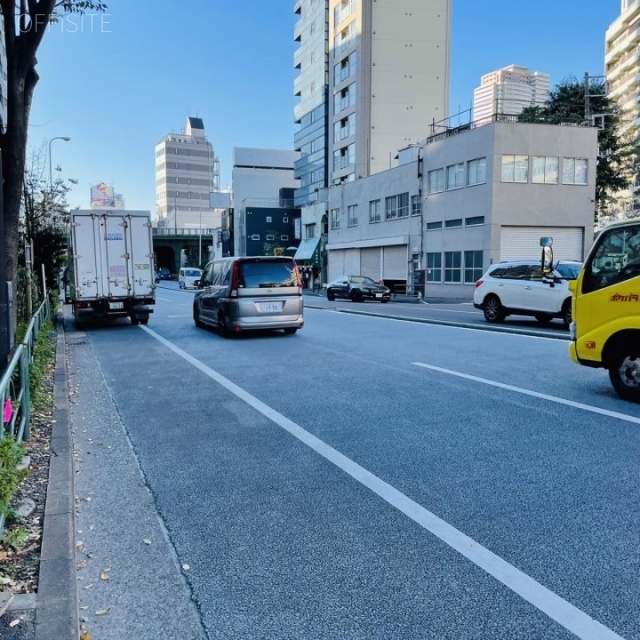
pixel 14 385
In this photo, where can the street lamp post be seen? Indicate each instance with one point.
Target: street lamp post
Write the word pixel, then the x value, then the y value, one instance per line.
pixel 66 139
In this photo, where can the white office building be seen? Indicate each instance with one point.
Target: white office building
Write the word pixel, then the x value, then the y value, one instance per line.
pixel 259 177
pixel 462 200
pixel 508 91
pixel 187 172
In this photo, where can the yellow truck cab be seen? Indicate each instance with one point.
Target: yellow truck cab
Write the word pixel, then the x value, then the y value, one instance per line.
pixel 605 331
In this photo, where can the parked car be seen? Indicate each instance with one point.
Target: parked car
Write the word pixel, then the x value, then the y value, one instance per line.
pixel 518 287
pixel 239 294
pixel 188 276
pixel 358 289
pixel 164 274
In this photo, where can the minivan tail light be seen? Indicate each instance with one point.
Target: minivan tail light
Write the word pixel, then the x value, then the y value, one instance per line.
pixel 298 277
pixel 235 279
pixel 478 283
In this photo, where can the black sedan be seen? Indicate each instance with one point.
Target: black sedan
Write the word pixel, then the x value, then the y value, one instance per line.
pixel 358 289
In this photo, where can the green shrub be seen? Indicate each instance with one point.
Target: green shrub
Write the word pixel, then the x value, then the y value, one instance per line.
pixel 11 454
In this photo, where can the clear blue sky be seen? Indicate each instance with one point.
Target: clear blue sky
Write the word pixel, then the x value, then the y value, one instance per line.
pixel 117 83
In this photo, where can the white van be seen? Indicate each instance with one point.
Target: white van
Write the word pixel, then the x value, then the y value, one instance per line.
pixel 243 294
pixel 187 277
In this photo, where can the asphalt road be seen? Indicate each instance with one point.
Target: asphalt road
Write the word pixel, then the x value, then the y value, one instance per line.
pixel 373 478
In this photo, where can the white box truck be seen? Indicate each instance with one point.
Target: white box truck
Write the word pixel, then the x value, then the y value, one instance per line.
pixel 110 271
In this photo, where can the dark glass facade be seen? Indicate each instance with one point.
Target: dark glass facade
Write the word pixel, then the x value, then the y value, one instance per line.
pixel 311 140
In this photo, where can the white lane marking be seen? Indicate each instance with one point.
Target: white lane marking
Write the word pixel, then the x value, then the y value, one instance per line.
pixel 506 331
pixel 535 394
pixel 163 299
pixel 558 609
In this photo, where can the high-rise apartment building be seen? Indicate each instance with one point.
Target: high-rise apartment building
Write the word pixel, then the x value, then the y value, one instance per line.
pixel 508 91
pixel 388 80
pixel 187 172
pixel 372 77
pixel 311 113
pixel 622 66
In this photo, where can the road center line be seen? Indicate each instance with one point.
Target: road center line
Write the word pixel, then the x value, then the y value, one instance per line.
pixel 535 394
pixel 558 609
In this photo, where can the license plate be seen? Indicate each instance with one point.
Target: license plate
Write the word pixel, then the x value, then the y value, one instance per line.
pixel 269 307
pixel 116 305
pixel 378 295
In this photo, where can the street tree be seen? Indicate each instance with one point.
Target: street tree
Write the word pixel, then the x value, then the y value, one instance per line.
pixel 25 23
pixel 618 154
pixel 45 214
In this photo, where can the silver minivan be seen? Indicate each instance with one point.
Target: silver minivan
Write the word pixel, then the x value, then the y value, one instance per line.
pixel 245 294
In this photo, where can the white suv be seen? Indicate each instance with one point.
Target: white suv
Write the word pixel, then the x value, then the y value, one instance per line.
pixel 518 288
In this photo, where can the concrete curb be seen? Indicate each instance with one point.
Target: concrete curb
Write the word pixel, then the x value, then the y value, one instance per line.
pixel 57 614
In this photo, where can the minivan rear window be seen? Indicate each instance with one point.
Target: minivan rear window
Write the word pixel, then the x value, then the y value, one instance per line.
pixel 254 275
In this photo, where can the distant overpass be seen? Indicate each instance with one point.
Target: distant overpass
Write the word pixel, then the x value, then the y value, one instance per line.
pixel 169 244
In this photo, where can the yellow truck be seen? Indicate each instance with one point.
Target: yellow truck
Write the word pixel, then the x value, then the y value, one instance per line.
pixel 605 331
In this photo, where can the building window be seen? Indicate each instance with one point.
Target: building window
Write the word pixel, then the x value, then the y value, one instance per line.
pixel 344 98
pixel 268 219
pixel 309 230
pixel 515 168
pixel 476 171
pixel 403 205
pixel 474 221
pixel 344 128
pixel 452 266
pixel 432 226
pixel 434 267
pixel 374 211
pixel 352 215
pixel 391 207
pixel 455 176
pixel 545 170
pixel 335 218
pixel 472 266
pixel 574 171
pixel 453 224
pixel 270 237
pixel 284 237
pixel 436 181
pixel 255 236
pixel 397 206
pixel 285 219
pixel 416 206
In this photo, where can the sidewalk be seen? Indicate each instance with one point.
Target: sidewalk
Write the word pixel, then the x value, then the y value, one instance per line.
pixel 107 566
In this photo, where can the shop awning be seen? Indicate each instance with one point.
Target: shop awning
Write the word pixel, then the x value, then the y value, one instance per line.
pixel 308 251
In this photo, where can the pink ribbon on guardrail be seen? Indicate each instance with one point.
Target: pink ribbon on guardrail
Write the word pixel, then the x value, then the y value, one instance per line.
pixel 8 411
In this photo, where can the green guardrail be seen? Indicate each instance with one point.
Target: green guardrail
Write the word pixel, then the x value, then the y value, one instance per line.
pixel 14 385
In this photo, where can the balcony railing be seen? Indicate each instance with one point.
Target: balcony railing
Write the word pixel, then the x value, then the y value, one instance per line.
pixel 170 231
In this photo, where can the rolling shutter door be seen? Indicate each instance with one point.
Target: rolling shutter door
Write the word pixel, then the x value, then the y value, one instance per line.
pixel 352 262
pixel 370 263
pixel 336 264
pixel 394 266
pixel 523 243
